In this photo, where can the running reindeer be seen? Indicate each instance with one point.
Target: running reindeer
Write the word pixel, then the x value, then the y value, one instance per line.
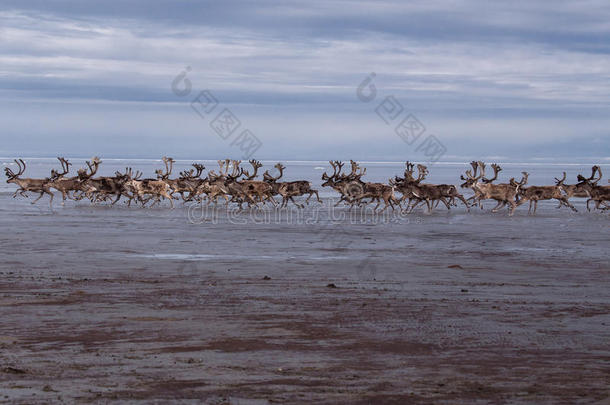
pixel 533 194
pixel 34 185
pixel 600 195
pixel 289 189
pixel 418 193
pixel 484 189
pixel 74 184
pixel 354 191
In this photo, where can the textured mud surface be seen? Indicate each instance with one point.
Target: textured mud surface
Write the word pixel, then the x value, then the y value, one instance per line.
pixel 139 305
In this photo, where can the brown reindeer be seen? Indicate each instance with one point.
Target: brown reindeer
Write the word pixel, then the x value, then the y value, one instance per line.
pixel 598 194
pixel 262 190
pixel 417 193
pixel 153 188
pixel 102 188
pixel 289 189
pixel 533 194
pixel 354 191
pixel 189 182
pixel 349 189
pixel 179 185
pixel 74 184
pixel 34 185
pixel 486 190
pixel 446 193
pixel 477 198
pixel 214 185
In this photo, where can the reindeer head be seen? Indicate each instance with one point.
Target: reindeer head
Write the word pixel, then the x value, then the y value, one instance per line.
pixel 255 166
pixel 334 178
pixel 471 175
pixel 591 181
pixel 269 178
pixel 93 165
pixel 65 168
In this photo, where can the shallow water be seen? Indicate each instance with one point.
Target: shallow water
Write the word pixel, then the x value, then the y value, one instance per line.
pixel 125 303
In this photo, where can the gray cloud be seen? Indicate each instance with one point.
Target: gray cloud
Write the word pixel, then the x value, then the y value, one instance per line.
pixel 502 74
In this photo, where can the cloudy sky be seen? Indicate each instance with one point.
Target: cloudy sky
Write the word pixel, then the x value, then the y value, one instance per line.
pixel 514 80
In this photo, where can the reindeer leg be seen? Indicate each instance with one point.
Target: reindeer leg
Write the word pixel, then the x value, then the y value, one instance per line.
pixel 118 197
pixel 414 204
pixel 171 200
pixel 298 205
pixel 39 197
pixel 51 200
pixel 513 206
pixel 589 200
pixel 500 204
pixel 317 195
pixel 463 200
pixel 429 205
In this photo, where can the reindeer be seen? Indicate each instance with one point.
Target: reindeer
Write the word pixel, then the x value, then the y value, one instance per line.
pixel 447 193
pixel 34 185
pixel 350 189
pixel 189 182
pixel 154 188
pixel 214 185
pixel 74 184
pixel 537 193
pixel 374 191
pixel 405 185
pixel 485 190
pixel 179 185
pixel 417 192
pixel 353 190
pixel 598 194
pixel 261 189
pixel 289 190
pixel 477 198
pixel 102 188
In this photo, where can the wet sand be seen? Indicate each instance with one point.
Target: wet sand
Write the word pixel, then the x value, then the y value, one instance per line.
pixel 141 305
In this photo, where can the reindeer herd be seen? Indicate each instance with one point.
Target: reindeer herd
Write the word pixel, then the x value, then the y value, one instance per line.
pixel 235 184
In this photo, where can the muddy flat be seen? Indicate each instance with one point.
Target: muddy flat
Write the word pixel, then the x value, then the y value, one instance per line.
pixel 137 305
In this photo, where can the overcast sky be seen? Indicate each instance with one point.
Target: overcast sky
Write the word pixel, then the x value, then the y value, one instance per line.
pixel 518 80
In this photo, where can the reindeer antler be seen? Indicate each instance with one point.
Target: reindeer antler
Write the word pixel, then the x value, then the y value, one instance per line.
pixel 9 172
pixel 280 167
pixel 560 182
pixel 200 168
pixel 593 170
pixel 255 165
pixel 497 169
pixel 409 169
pixel 422 172
pixel 337 167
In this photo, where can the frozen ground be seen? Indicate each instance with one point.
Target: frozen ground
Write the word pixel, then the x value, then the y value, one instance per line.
pixel 106 303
